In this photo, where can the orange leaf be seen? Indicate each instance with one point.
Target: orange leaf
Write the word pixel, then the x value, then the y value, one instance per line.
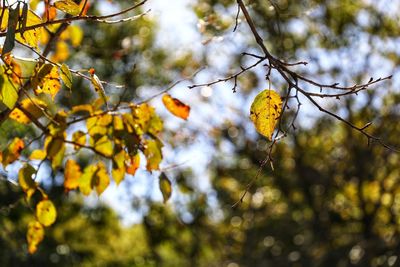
pixel 176 107
pixel 132 164
pixel 12 152
pixel 34 236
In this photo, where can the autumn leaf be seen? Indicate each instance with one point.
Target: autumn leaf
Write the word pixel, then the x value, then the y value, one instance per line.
pixel 51 83
pixel 46 212
pixel 38 154
pixel 265 111
pixel 85 182
pixel 79 138
pixel 176 107
pixel 101 179
pixel 153 154
pixel 71 175
pixel 66 76
pixel 68 6
pixel 33 106
pixel 118 170
pixel 13 151
pixel 25 180
pixel 98 87
pixel 165 187
pixel 104 146
pixel 34 235
pixel 8 92
pixel 132 164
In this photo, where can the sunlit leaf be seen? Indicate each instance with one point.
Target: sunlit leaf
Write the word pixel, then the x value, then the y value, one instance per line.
pixel 132 163
pixel 8 92
pixel 104 146
pixel 71 175
pixel 165 187
pixel 34 235
pixel 66 76
pixel 33 106
pixel 38 154
pixel 79 138
pixel 98 87
pixel 265 111
pixel 25 180
pixel 76 35
pixel 85 182
pixel 101 179
pixel 61 52
pixel 153 154
pixel 13 151
pixel 176 107
pixel 51 83
pixel 68 6
pixel 118 170
pixel 46 212
pixel 31 37
pixel 155 125
pixel 55 151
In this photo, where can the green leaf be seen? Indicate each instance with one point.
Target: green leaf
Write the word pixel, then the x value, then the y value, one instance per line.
pixel 8 93
pixel 68 6
pixel 165 187
pixel 66 76
pixel 46 212
pixel 265 111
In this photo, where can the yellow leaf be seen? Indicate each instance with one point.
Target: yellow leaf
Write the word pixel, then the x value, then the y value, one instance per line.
pixel 8 92
pixel 68 6
pixel 165 187
pixel 265 111
pixel 101 180
pixel 118 170
pixel 12 152
pixel 34 236
pixel 46 212
pixel 31 105
pixel 76 35
pixel 132 164
pixel 25 180
pixel 31 37
pixel 85 182
pixel 61 52
pixel 176 107
pixel 71 175
pixel 38 154
pixel 79 137
pixel 104 146
pixel 153 154
pixel 51 83
pixel 98 87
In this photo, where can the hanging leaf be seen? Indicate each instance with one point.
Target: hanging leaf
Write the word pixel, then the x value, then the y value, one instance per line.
pixel 34 236
pixel 265 111
pixel 71 175
pixel 66 76
pixel 68 6
pixel 12 152
pixel 98 87
pixel 118 170
pixel 79 138
pixel 31 37
pixel 32 105
pixel 85 182
pixel 153 154
pixel 101 180
pixel 132 164
pixel 104 146
pixel 8 92
pixel 176 107
pixel 38 155
pixel 165 187
pixel 51 83
pixel 46 212
pixel 9 43
pixel 25 180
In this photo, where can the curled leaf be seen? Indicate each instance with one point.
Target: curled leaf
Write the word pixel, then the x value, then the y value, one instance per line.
pixel 176 107
pixel 265 111
pixel 68 6
pixel 25 180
